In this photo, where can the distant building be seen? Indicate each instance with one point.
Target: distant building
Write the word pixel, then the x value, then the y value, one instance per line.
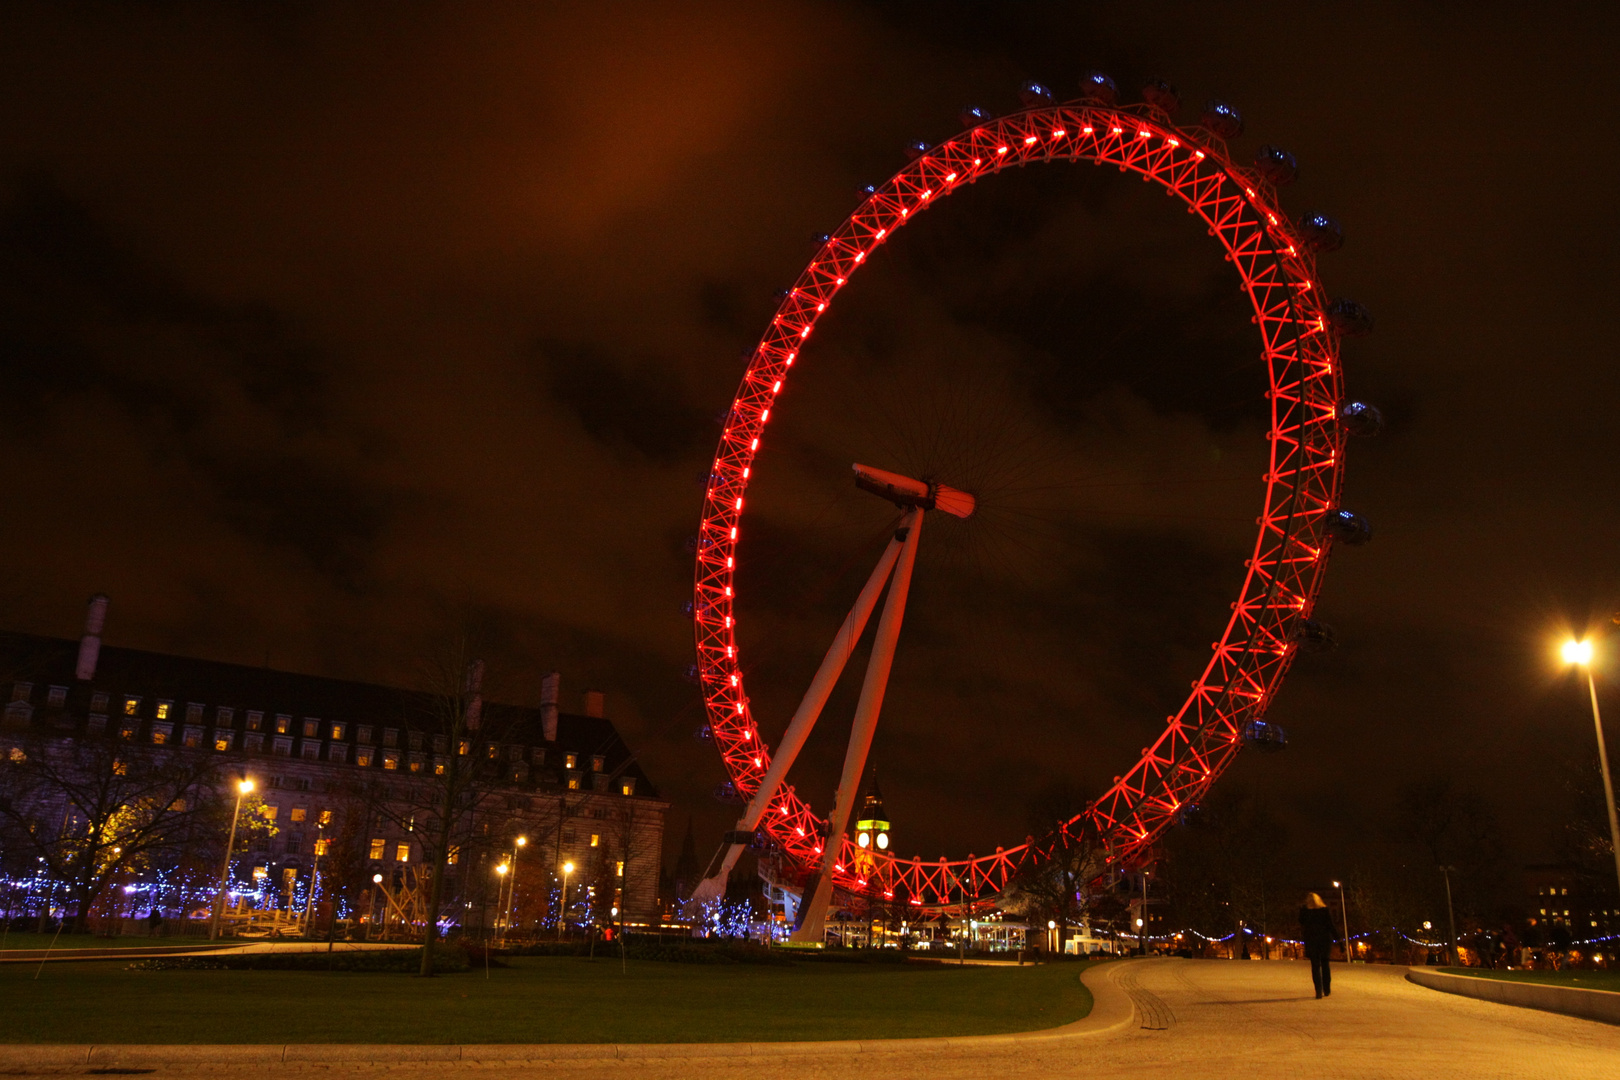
pixel 565 781
pixel 1561 898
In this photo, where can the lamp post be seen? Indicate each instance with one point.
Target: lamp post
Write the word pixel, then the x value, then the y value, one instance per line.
pixel 1451 914
pixel 243 787
pixel 1580 654
pixel 511 887
pixel 562 904
pixel 314 877
pixel 1344 916
pixel 500 902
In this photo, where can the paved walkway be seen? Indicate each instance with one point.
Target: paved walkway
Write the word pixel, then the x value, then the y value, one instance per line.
pixel 1179 1019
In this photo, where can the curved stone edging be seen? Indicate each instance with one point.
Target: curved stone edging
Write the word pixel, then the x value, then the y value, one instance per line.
pixel 1600 1005
pixel 1111 1011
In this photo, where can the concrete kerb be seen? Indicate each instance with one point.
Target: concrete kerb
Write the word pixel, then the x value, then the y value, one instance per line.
pixel 1111 1012
pixel 1600 1005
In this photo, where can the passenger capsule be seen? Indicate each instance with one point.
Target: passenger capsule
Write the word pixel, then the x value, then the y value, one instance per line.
pixel 704 734
pixel 1349 319
pixel 1034 95
pixel 1276 165
pixel 972 116
pixel 1349 527
pixel 1315 637
pixel 916 150
pixel 1098 89
pixel 866 191
pixel 1162 95
pixel 1359 418
pixel 727 793
pixel 1321 232
pixel 1222 120
pixel 1265 736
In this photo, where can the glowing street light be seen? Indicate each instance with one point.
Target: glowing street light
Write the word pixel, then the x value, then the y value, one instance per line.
pixel 243 787
pixel 562 906
pixel 1579 653
pixel 1344 914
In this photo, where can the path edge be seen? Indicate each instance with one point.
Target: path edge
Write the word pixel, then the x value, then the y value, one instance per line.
pixel 1600 1005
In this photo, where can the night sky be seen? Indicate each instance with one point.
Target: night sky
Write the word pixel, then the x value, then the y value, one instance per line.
pixel 327 332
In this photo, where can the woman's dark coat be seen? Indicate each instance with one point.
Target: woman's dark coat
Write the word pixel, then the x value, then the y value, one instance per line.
pixel 1316 928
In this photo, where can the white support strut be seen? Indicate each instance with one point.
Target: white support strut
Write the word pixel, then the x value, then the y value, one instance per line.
pixel 804 719
pixel 812 927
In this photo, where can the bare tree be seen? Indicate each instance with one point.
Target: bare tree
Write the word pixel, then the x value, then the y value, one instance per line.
pixel 94 806
pixel 1052 889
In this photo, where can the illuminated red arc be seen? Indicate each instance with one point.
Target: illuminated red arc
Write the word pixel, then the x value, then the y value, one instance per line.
pixel 1302 480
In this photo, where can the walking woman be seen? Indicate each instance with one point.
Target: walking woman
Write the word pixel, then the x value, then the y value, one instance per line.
pixel 1316 930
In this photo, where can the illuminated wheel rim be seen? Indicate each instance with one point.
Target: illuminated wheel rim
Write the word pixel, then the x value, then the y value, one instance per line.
pixel 1301 484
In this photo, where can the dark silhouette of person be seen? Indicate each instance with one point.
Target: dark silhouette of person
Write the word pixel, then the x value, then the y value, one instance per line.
pixel 1316 930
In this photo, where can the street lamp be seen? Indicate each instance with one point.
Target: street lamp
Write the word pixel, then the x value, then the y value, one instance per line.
pixel 243 787
pixel 1579 653
pixel 1451 914
pixel 500 904
pixel 511 886
pixel 1344 916
pixel 562 905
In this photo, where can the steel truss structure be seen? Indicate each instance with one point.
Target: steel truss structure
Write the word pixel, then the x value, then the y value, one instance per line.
pixel 1302 484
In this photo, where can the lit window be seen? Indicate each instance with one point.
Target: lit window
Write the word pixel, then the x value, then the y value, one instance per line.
pixel 391 759
pixel 337 731
pixel 440 766
pixel 598 763
pixel 362 757
pixel 120 768
pixel 596 839
pixel 299 813
pixel 160 733
pixel 627 786
pixel 163 709
pixel 571 761
pixel 325 818
pixel 132 706
pixel 192 737
pixel 255 720
pixel 270 810
pixel 494 751
pixel 283 723
pixel 129 729
pixel 416 763
pixel 312 728
pixel 454 856
pixel 464 748
pixel 222 740
pixel 620 866
pixel 402 852
pixel 16 754
pixel 322 846
pixel 573 783
pixel 378 846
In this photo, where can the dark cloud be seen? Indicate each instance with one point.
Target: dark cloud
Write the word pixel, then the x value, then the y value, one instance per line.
pixel 321 328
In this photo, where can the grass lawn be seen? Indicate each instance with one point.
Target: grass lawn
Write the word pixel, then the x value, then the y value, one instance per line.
pixel 536 1000
pixel 1585 980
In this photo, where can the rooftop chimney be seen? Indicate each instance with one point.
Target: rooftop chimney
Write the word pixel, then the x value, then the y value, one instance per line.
pixel 90 644
pixel 593 703
pixel 548 704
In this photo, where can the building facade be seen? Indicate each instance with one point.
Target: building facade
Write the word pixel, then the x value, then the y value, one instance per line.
pixel 333 762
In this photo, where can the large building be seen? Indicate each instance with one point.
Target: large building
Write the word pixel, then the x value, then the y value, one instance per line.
pixel 563 781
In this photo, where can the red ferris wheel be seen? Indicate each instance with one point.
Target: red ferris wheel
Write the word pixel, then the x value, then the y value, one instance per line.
pixel 1300 517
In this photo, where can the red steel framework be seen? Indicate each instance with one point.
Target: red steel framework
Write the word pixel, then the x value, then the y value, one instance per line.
pixel 1302 484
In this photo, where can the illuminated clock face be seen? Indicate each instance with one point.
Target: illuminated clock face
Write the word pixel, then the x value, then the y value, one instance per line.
pixel 864 840
pixel 882 841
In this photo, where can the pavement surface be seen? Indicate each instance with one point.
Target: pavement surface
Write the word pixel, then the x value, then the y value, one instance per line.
pixel 1169 1018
